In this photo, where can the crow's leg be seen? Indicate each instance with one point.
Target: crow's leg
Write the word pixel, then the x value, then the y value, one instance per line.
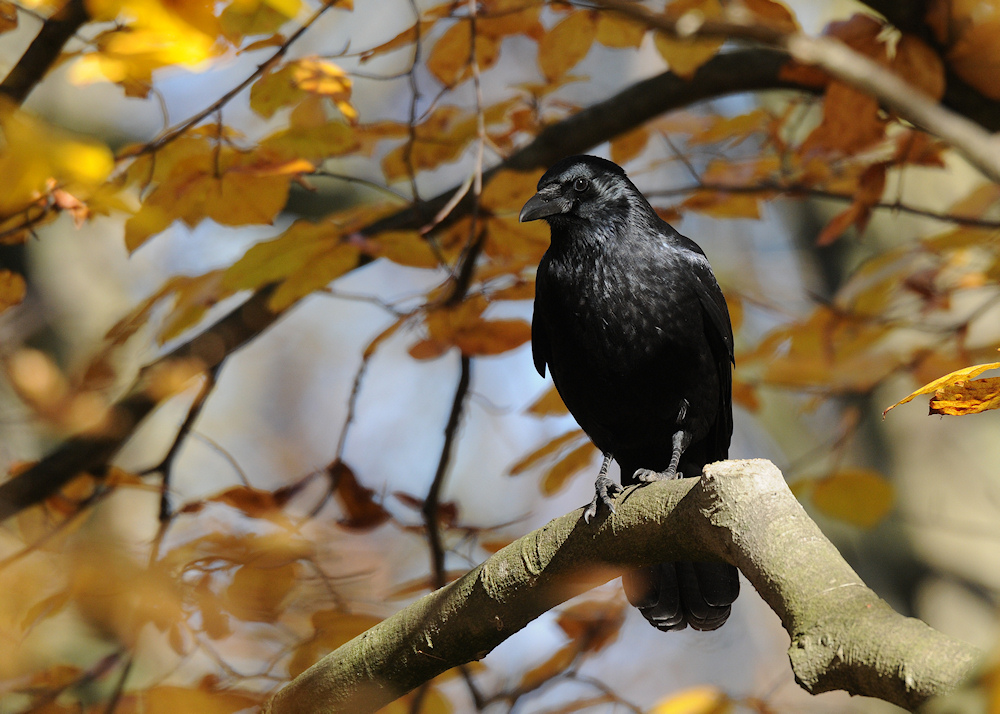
pixel 604 491
pixel 681 440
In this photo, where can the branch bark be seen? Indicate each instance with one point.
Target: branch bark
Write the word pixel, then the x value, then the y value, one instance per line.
pixel 842 635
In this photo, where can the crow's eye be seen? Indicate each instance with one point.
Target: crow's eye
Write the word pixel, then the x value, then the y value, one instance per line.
pixel 581 185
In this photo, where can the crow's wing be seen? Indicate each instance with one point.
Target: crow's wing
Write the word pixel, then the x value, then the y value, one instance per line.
pixel 719 331
pixel 539 335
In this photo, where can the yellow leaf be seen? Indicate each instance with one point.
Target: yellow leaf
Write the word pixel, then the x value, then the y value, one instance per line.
pixel 257 594
pixel 193 297
pixel 553 666
pixel 404 247
pixel 332 629
pixel 521 244
pixel 165 699
pixel 685 56
pixel 274 90
pixel 550 403
pixel 326 79
pixel 861 497
pixel 545 450
pixel 224 186
pixel 704 699
pixel 36 157
pixel 559 473
pixel 12 289
pixel 276 259
pixel 723 204
pixel 314 275
pixel 449 60
pixel 627 146
pixel 961 375
pixel 566 44
pixel 970 397
pixel 614 30
pixel 508 190
pixel 312 143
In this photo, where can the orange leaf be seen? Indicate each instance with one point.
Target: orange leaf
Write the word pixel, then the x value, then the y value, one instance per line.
pixel 566 44
pixel 449 60
pixel 559 662
pixel 332 629
pixel 545 450
pixel 861 497
pixel 8 16
pixel 840 223
pixel 627 146
pixel 508 190
pixel 257 594
pixel 975 57
pixel 592 624
pixel 723 204
pixel 961 375
pixel 550 403
pixel 618 31
pixel 559 473
pixel 772 13
pixel 685 56
pixel 12 289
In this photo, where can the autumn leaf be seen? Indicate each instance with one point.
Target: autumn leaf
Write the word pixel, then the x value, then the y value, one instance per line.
pixel 627 146
pixel 464 327
pixel 685 56
pixel 36 157
pixel 332 628
pixel 704 699
pixel 592 624
pixel 724 204
pixel 620 32
pixel 545 451
pixel 8 16
pixel 361 510
pixel 549 404
pixel 12 289
pixel 861 497
pixel 558 475
pixel 449 60
pixel 256 594
pixel 566 43
pixel 957 377
pixel 557 663
pixel 508 190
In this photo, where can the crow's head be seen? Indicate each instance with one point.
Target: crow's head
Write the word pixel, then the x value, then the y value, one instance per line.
pixel 582 189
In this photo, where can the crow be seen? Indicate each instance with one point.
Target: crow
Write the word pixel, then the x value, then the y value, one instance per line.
pixel 635 331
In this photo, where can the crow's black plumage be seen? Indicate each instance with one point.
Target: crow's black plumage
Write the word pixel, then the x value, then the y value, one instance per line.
pixel 636 334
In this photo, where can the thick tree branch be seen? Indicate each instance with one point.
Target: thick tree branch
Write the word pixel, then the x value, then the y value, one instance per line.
pixel 842 635
pixel 44 50
pixel 737 72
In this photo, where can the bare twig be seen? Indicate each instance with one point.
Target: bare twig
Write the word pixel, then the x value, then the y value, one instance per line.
pixel 44 50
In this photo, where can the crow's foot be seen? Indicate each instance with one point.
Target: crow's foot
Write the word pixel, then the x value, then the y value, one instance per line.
pixel 649 476
pixel 605 491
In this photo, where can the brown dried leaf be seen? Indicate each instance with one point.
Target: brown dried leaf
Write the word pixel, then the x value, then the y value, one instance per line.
pixel 362 511
pixel 558 663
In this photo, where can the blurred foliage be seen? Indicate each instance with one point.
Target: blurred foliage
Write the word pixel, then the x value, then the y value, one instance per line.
pixel 259 589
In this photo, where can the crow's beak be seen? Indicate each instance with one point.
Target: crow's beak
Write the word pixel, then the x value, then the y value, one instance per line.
pixel 542 205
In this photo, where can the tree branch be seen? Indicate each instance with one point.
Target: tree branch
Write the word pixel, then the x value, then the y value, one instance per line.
pixel 842 635
pixel 44 50
pixel 743 71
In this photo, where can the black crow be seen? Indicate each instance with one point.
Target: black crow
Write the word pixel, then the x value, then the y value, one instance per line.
pixel 634 329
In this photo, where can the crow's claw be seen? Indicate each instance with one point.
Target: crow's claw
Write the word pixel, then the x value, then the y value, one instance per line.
pixel 649 476
pixel 605 491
